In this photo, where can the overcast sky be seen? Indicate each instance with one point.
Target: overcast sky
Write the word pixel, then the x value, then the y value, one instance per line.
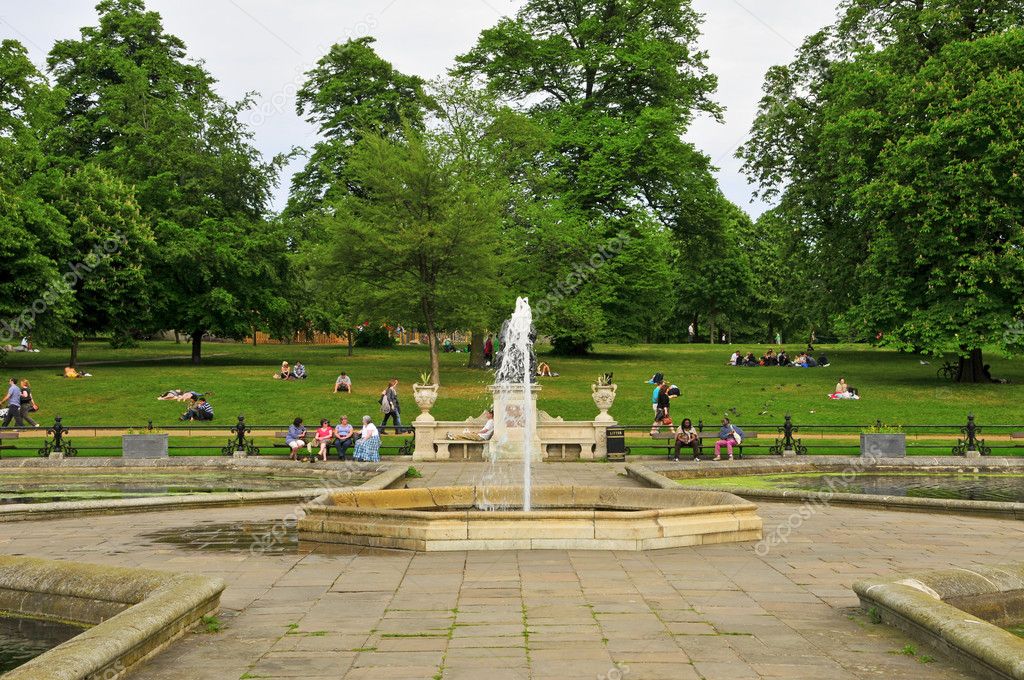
pixel 266 45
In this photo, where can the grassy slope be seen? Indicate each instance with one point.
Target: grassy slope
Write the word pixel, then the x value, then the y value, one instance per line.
pixel 895 387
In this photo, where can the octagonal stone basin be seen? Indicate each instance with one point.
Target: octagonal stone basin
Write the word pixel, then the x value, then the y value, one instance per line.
pixel 563 518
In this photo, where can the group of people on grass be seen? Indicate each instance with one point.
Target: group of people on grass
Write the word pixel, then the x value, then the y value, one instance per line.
pixel 20 404
pixel 288 372
pixel 780 358
pixel 199 407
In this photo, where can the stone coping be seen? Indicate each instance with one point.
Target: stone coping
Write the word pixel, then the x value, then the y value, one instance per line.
pixel 957 612
pixel 134 613
pixel 670 478
pixel 778 464
pixel 389 476
pixel 564 517
pixel 198 463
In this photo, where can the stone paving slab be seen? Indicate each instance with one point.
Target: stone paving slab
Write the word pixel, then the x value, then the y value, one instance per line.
pixel 721 611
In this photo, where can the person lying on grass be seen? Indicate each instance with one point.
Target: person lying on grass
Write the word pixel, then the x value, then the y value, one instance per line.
pixel 182 395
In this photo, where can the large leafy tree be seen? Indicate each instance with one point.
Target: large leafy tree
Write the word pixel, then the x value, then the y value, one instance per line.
pixel 614 85
pixel 350 92
pixel 419 240
pixel 105 257
pixel 893 143
pixel 138 107
pixel 30 228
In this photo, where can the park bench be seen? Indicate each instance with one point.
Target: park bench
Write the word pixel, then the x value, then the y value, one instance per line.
pixel 667 441
pixel 401 449
pixel 7 437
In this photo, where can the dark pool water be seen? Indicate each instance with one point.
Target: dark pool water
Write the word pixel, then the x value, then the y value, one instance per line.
pixel 51 488
pixel 264 538
pixel 1005 488
pixel 22 640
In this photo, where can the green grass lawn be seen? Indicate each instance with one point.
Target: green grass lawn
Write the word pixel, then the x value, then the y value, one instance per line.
pixel 895 387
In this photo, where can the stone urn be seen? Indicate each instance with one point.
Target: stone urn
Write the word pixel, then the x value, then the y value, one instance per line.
pixel 604 397
pixel 425 396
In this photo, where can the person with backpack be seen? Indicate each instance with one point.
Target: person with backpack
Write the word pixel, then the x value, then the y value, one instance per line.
pixel 390 407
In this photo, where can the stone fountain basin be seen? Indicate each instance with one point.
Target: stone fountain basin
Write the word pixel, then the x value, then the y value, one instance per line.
pixel 562 518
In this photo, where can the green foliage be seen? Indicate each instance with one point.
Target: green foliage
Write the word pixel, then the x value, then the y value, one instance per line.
pixel 376 337
pixel 211 623
pixel 413 473
pixel 350 92
pixel 136 106
pixel 613 86
pixel 893 142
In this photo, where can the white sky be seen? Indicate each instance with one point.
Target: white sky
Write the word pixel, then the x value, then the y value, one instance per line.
pixel 266 45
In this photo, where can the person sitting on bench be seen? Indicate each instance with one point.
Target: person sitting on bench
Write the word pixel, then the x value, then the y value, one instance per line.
pixel 687 435
pixel 322 438
pixel 368 446
pixel 296 437
pixel 485 433
pixel 728 436
pixel 344 437
pixel 201 410
pixel 343 383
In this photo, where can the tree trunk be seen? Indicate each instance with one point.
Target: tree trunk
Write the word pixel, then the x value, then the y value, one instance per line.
pixel 177 338
pixel 348 334
pixel 714 331
pixel 254 336
pixel 476 350
pixel 972 368
pixel 197 347
pixel 74 354
pixel 435 356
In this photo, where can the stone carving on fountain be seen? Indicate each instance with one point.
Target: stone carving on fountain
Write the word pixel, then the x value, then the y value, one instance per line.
pixel 550 438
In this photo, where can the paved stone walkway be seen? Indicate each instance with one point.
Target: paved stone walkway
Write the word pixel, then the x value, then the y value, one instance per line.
pixel 708 612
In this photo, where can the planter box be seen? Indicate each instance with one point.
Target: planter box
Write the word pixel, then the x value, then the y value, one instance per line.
pixel 892 445
pixel 144 446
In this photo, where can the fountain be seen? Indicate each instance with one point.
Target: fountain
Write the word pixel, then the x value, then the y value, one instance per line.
pixel 498 516
pixel 515 409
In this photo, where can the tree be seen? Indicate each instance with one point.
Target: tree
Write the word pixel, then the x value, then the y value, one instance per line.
pixel 890 142
pixel 30 228
pixel 137 107
pixel 426 231
pixel 614 85
pixel 105 255
pixel 350 92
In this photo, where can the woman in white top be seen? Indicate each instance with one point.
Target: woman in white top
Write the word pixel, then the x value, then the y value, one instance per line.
pixel 368 446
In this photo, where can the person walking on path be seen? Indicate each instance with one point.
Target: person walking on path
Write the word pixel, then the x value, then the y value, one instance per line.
pixel 13 399
pixel 390 407
pixel 28 404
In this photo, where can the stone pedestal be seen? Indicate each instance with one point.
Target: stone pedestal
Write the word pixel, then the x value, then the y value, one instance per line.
pixel 240 454
pixel 973 454
pixel 56 455
pixel 426 434
pixel 509 423
pixel 789 453
pixel 144 446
